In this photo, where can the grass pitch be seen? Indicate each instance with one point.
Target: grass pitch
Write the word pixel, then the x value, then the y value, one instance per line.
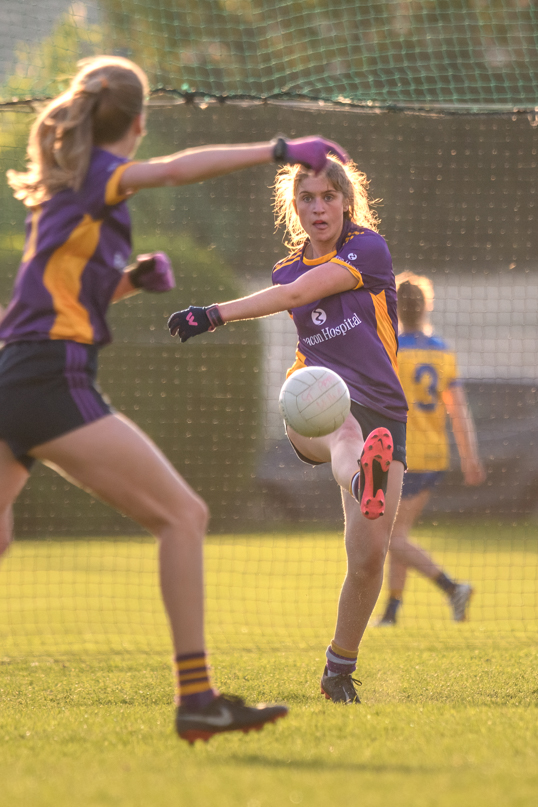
pixel 449 712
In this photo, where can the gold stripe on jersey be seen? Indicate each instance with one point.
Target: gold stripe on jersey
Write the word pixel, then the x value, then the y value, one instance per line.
pixel 300 362
pixel 286 261
pixel 112 194
pixel 63 280
pixel 385 328
pixel 31 245
pixel 354 271
pixel 318 261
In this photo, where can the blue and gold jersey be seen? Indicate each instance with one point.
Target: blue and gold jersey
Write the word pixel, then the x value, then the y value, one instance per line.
pixel 427 368
pixel 77 245
pixel 353 333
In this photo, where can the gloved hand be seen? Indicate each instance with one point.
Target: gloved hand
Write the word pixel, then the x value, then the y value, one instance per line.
pixel 311 152
pixel 194 320
pixel 152 272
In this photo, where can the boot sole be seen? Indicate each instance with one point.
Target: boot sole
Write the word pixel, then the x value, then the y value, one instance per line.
pixel 191 735
pixel 377 449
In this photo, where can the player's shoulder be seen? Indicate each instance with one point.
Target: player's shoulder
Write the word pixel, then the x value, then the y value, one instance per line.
pixel 287 262
pixel 101 169
pixel 363 236
pixel 100 187
pixel 365 247
pixel 102 160
pixel 422 341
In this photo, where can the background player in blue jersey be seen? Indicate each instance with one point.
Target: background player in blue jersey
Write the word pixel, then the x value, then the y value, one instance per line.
pixel 338 285
pixel 429 376
pixel 78 242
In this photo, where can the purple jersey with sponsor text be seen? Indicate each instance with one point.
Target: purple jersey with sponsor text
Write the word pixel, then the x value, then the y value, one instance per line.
pixel 77 245
pixel 353 333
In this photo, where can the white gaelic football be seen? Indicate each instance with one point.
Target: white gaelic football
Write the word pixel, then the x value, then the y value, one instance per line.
pixel 314 401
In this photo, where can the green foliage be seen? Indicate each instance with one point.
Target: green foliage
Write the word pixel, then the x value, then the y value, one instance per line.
pixel 46 68
pixel 386 51
pixel 381 52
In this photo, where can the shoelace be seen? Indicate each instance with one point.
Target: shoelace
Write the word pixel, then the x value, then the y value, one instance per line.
pixel 350 676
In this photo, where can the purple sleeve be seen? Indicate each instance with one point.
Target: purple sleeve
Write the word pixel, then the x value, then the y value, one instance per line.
pixel 99 190
pixel 368 254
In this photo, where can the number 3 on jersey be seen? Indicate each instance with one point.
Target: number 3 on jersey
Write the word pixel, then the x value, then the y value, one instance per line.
pixel 427 378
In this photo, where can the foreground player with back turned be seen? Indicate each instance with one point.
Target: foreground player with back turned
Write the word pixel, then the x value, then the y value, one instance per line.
pixel 338 285
pixel 429 375
pixel 78 242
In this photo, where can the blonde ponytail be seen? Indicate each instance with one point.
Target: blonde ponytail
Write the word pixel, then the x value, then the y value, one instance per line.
pixel 104 98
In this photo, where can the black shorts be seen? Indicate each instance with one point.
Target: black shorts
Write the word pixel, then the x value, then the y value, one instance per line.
pixel 414 483
pixel 47 389
pixel 369 420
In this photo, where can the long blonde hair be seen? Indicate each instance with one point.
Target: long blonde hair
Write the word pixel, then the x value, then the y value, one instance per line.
pixel 104 98
pixel 347 178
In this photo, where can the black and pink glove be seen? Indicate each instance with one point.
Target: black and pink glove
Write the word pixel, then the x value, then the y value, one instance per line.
pixel 312 152
pixel 194 320
pixel 152 272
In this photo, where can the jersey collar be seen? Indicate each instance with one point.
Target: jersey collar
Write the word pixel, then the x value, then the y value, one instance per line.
pixel 317 261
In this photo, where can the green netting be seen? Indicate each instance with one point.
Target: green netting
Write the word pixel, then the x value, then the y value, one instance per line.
pixel 460 54
pixel 459 205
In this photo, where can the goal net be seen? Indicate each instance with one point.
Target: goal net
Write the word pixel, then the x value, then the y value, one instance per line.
pixel 436 103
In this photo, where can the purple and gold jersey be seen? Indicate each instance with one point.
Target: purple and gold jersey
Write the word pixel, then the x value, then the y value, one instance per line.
pixel 353 333
pixel 77 245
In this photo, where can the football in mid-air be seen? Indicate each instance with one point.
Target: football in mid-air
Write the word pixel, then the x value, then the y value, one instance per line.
pixel 314 401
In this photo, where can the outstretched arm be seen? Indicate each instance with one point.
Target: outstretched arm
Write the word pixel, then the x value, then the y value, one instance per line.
pixel 207 162
pixel 320 281
pixel 151 272
pixel 463 427
pixel 124 289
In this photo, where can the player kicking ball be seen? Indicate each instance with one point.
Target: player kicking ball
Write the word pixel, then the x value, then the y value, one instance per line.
pixel 337 283
pixel 80 175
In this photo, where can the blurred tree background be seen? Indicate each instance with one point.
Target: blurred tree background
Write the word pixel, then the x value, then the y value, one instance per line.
pixel 450 52
pixel 458 191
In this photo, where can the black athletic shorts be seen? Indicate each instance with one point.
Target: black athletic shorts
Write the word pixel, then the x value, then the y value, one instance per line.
pixel 47 389
pixel 369 420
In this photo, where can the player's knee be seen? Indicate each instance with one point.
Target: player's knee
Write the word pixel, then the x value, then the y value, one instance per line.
pixel 184 517
pixel 190 517
pixel 348 432
pixel 369 562
pixel 374 560
pixel 199 514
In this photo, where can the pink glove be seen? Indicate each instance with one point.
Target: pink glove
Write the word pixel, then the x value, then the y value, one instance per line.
pixel 311 152
pixel 153 272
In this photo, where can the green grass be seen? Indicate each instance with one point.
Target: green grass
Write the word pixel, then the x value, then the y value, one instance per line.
pixel 449 712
